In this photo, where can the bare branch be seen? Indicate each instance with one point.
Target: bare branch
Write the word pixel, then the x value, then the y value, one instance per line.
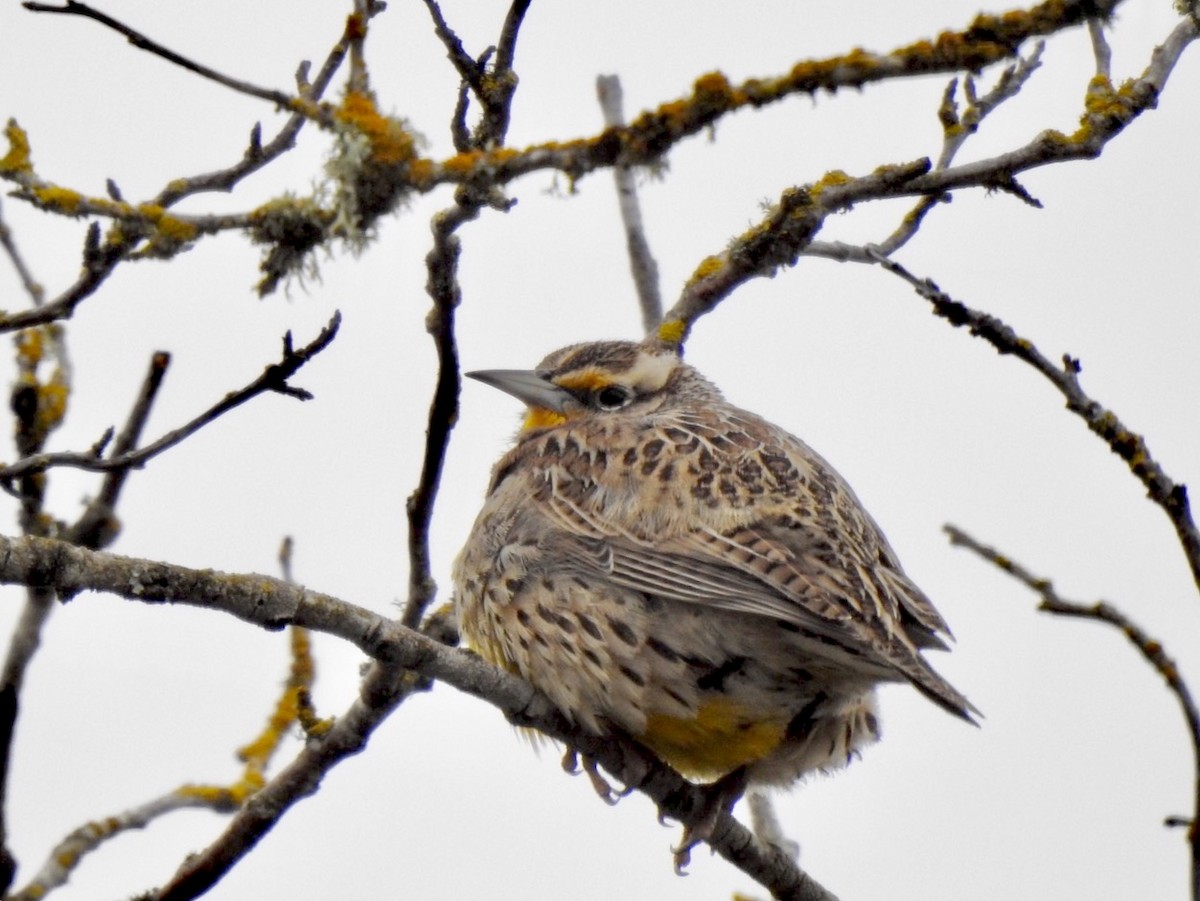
pixel 468 69
pixel 32 287
pixel 1151 650
pixel 272 604
pixel 273 379
pixel 98 526
pixel 1100 49
pixel 1128 445
pixel 800 213
pixel 957 129
pixel 442 286
pixel 139 40
pixel 641 260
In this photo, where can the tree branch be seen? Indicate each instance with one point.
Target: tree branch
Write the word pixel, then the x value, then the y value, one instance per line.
pixel 273 604
pixel 273 379
pixel 1128 445
pixel 641 260
pixel 139 40
pixel 37 294
pixel 1150 649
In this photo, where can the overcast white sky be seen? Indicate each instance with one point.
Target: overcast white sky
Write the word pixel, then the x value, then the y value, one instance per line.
pixel 1061 794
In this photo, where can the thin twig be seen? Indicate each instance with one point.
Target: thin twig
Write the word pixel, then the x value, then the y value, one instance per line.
pixel 1100 49
pixel 39 404
pixel 33 288
pixel 273 379
pixel 500 87
pixel 442 286
pixel 790 226
pixel 468 70
pixel 294 704
pixel 98 525
pixel 139 40
pixel 957 128
pixel 1171 496
pixel 641 260
pixel 1151 650
pixel 382 691
pixel 69 852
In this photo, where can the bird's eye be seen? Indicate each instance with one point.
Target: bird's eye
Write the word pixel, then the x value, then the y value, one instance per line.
pixel 612 397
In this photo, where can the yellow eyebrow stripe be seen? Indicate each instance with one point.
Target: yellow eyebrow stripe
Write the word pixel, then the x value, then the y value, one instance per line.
pixel 585 380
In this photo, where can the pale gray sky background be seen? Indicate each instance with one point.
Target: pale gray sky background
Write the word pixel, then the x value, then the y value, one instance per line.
pixel 1082 753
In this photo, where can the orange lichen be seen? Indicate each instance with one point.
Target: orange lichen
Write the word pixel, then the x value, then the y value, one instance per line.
pixel 421 172
pixel 391 143
pixel 463 163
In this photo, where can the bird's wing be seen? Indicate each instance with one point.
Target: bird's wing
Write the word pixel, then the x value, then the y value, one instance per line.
pixel 825 569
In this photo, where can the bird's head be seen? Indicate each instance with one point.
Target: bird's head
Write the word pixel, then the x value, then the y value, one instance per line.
pixel 602 378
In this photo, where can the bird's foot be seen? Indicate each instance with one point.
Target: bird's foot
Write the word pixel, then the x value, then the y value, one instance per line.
pixel 574 763
pixel 716 798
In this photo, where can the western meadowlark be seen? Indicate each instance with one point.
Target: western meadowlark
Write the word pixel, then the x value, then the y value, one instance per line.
pixel 660 562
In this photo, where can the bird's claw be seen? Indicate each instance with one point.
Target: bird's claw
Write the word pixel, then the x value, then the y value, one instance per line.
pixel 716 799
pixel 573 764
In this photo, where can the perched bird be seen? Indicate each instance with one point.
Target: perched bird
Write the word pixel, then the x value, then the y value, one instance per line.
pixel 660 562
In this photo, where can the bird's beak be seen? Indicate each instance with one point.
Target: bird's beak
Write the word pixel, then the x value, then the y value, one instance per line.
pixel 526 385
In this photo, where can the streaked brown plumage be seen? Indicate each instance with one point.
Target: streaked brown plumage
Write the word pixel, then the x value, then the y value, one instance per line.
pixel 657 560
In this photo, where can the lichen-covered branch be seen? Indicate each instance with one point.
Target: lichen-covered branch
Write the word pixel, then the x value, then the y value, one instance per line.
pixel 70 852
pixel 292 707
pixel 148 228
pixel 293 227
pixel 1150 649
pixel 790 225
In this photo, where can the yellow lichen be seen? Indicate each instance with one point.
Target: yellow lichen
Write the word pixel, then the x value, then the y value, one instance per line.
pixel 707 267
pixel 59 200
pixel 30 348
pixel 833 178
pixel 17 161
pixel 168 226
pixel 672 332
pixel 52 403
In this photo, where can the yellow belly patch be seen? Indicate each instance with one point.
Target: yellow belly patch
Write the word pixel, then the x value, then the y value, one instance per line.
pixel 719 738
